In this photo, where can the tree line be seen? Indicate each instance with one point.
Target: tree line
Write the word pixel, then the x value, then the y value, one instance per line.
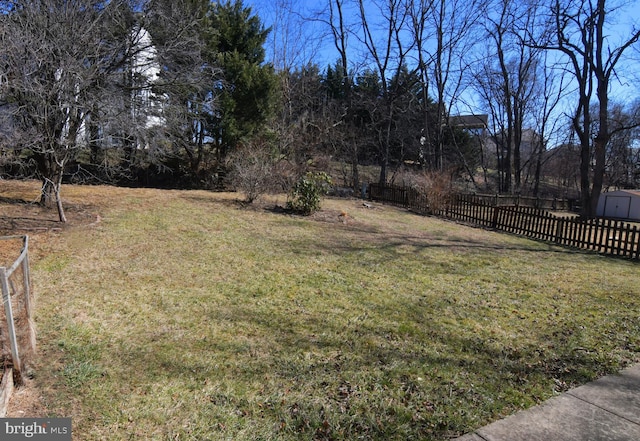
pixel 499 95
pixel 546 73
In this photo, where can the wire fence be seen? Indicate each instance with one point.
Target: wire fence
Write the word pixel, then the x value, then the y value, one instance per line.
pixel 17 331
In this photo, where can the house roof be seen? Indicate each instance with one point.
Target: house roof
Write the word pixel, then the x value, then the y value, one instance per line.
pixel 469 121
pixel 631 192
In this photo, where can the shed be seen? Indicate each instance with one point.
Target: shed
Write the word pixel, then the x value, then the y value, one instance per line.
pixel 620 204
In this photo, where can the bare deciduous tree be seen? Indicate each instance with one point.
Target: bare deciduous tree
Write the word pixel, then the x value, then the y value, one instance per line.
pixel 56 56
pixel 185 81
pixel 388 52
pixel 544 109
pixel 508 81
pixel 580 32
pixel 443 31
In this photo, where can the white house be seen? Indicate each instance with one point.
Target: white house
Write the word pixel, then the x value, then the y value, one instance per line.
pixel 620 204
pixel 147 106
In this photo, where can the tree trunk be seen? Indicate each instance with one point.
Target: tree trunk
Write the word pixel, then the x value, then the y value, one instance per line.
pixel 382 180
pixel 47 194
pixel 355 174
pixel 386 150
pixel 507 168
pixel 50 195
pixel 538 170
pixel 517 142
pixel 585 188
pixel 602 91
pixel 46 169
pixel 598 175
pixel 51 172
pixel 61 214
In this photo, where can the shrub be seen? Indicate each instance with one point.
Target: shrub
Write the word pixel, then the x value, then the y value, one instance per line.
pixel 437 186
pixel 251 170
pixel 304 197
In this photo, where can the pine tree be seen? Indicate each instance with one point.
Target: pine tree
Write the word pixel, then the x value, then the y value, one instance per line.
pixel 246 94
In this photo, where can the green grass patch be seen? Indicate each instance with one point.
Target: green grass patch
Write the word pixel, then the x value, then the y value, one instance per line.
pixel 183 316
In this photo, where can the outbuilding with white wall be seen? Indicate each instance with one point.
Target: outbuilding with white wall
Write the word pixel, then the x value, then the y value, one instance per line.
pixel 620 204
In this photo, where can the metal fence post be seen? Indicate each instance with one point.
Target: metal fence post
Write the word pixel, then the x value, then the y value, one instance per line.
pixel 26 276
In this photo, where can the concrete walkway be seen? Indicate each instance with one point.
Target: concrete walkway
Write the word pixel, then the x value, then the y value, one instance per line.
pixel 606 409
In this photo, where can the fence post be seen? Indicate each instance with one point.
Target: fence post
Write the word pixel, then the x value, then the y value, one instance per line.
pixel 26 281
pixel 494 220
pixel 6 299
pixel 635 244
pixel 559 229
pixel 26 277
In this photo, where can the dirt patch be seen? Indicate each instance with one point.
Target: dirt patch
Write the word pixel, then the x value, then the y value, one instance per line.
pixel 9 251
pixel 333 216
pixel 21 214
pixel 19 218
pixel 26 402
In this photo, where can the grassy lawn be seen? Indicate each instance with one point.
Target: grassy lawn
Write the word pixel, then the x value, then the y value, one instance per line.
pixel 185 316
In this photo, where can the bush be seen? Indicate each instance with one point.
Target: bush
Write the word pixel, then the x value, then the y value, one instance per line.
pixel 437 186
pixel 251 170
pixel 304 197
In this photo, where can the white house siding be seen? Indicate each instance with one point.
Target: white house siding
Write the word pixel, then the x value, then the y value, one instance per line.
pixel 146 71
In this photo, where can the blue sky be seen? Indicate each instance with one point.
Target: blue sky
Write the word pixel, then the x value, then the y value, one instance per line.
pixel 309 33
pixel 309 40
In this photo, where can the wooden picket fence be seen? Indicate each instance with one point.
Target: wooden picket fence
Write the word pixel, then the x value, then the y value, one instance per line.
pixel 605 236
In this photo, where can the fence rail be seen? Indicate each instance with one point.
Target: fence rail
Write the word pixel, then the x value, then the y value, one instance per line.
pixel 523 216
pixel 17 333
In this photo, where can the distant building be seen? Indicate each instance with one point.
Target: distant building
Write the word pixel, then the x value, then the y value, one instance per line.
pixel 138 115
pixel 144 106
pixel 620 204
pixel 147 105
pixel 469 122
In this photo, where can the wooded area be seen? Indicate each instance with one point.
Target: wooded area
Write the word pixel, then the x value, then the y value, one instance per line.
pixel 504 96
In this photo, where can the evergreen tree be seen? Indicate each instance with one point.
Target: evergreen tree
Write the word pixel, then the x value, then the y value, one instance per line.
pixel 246 94
pixel 335 80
